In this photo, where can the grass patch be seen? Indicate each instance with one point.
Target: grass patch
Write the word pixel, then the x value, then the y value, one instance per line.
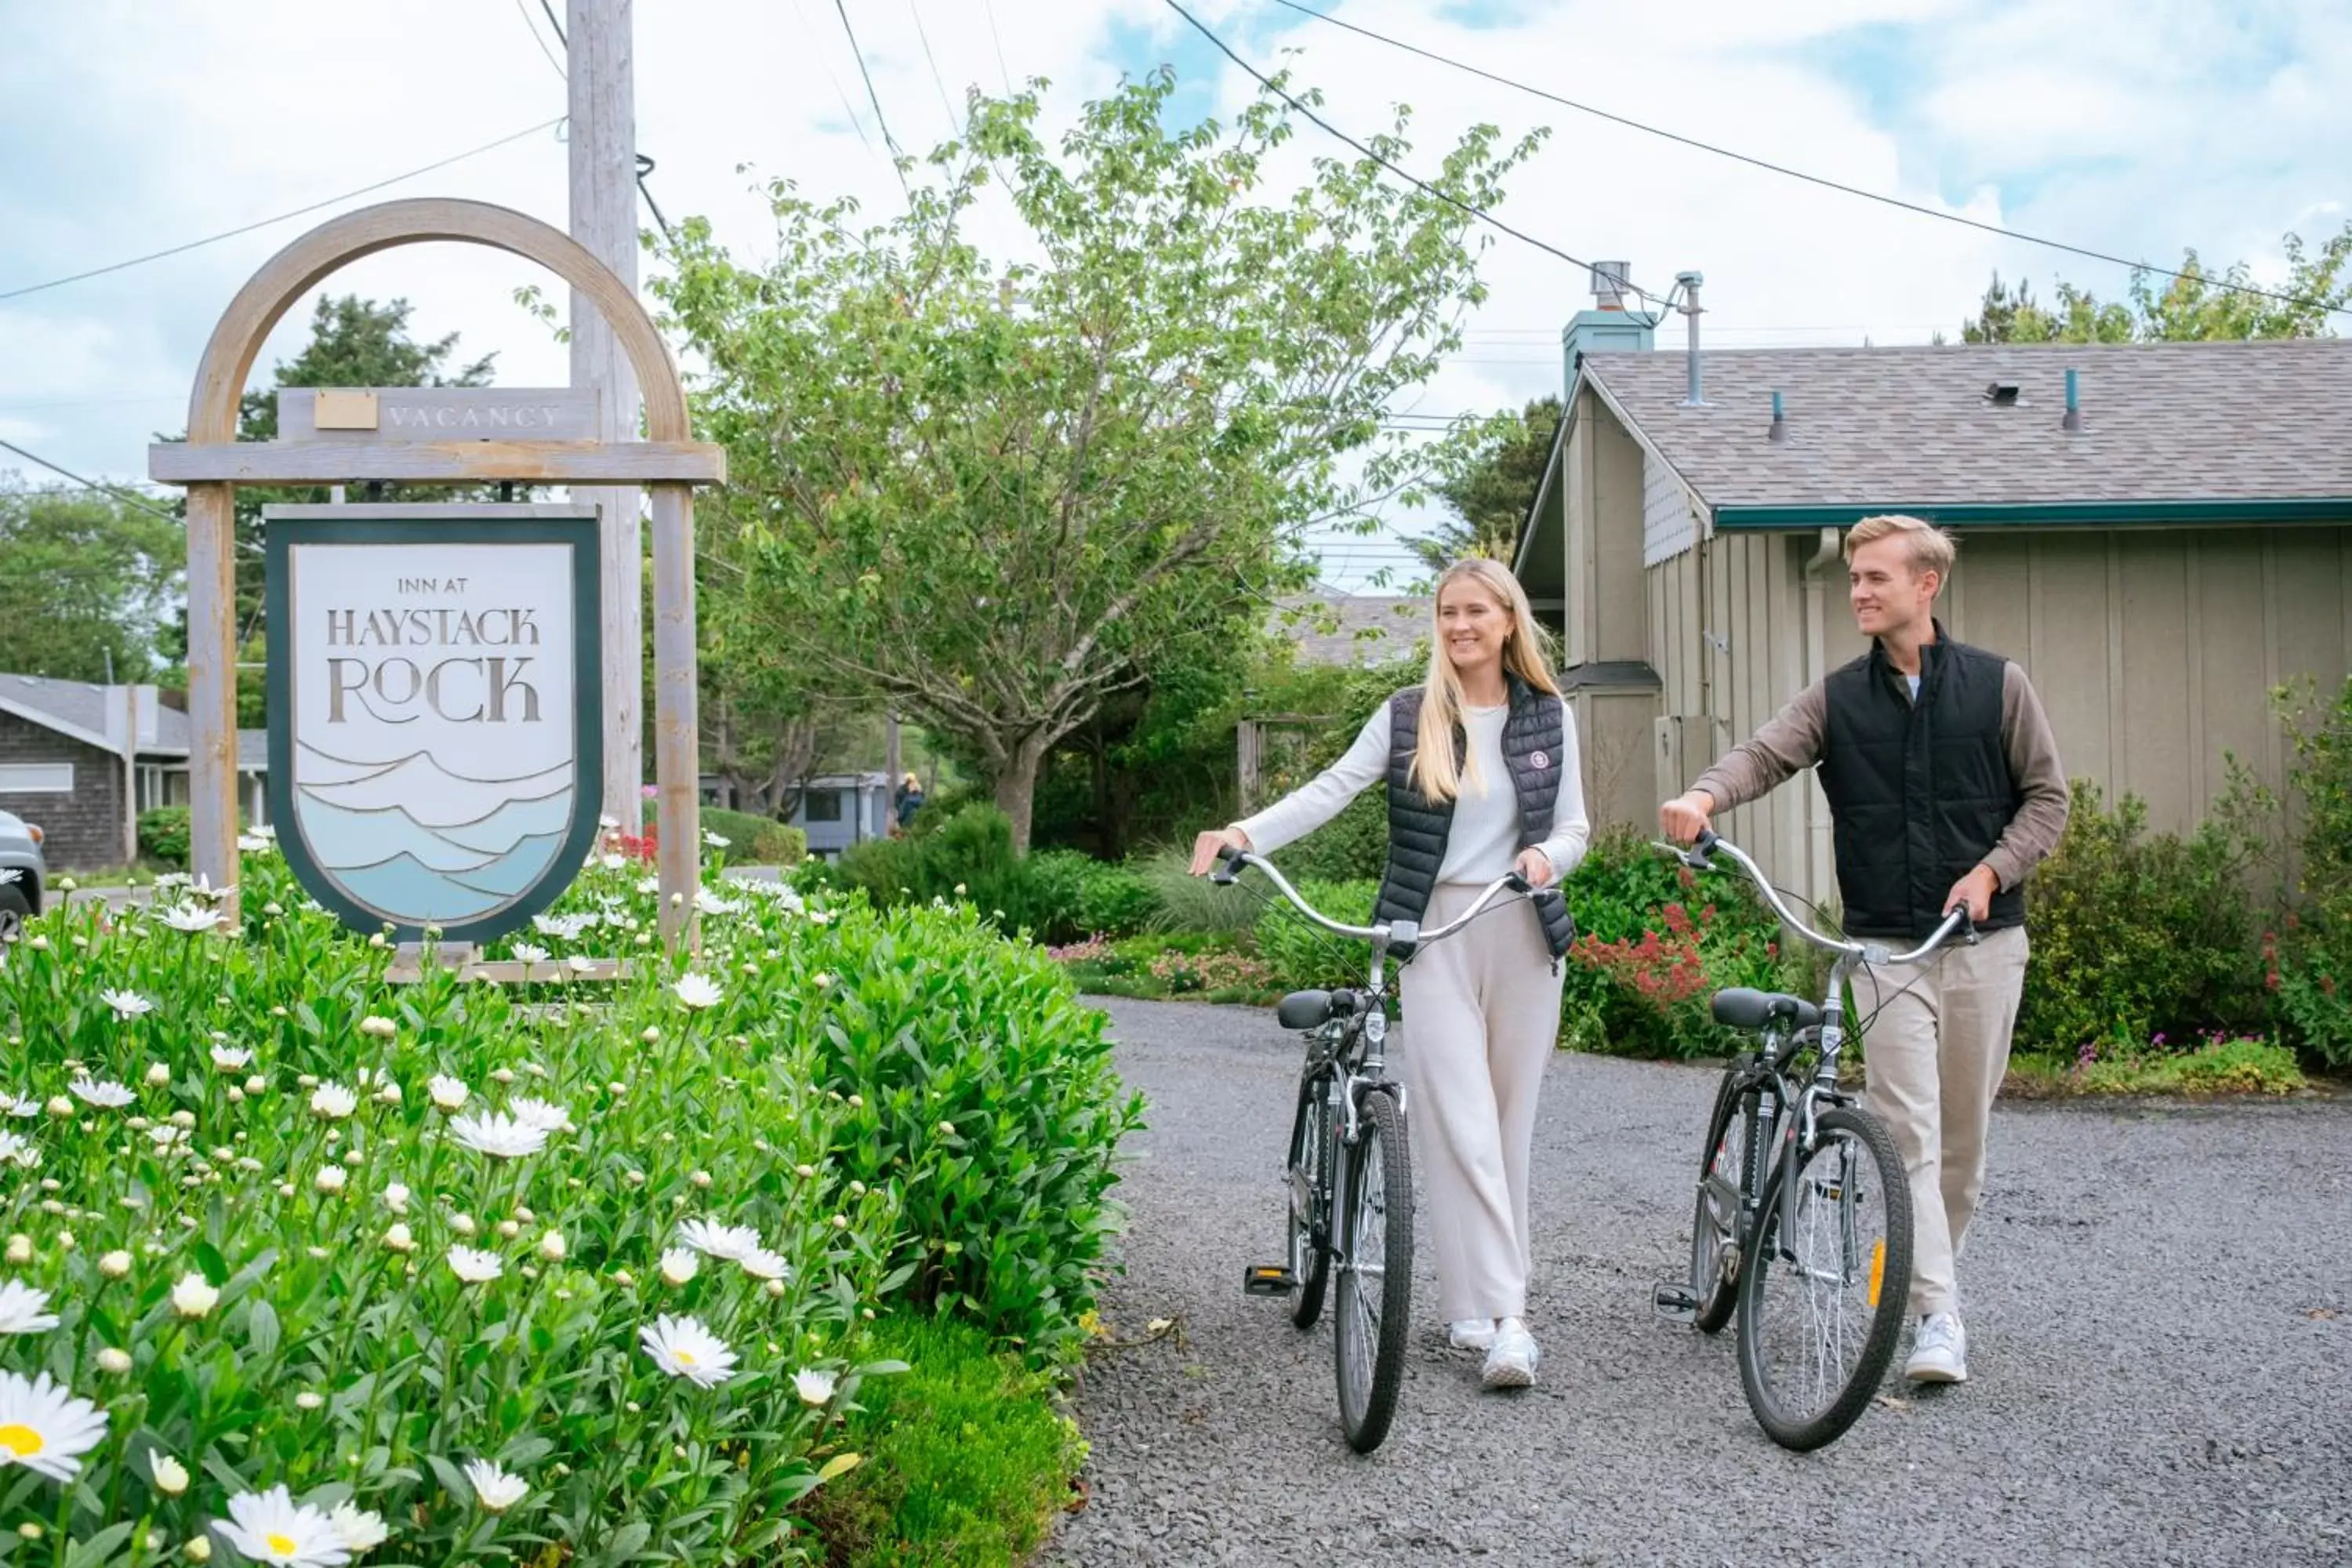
pixel 967 1462
pixel 2242 1066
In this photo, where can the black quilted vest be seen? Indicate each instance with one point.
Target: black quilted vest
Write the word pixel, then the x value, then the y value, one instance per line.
pixel 1919 791
pixel 1534 740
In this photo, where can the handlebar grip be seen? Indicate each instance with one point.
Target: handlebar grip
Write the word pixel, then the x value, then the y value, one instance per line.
pixel 1705 842
pixel 1518 883
pixel 1229 866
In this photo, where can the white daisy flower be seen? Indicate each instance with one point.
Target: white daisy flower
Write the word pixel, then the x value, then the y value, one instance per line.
pixel 473 1265
pixel 192 920
pixel 330 1178
pixel 17 1105
pixel 44 1429
pixel 107 1093
pixel 251 844
pixel 449 1093
pixel 564 928
pixel 165 1137
pixel 498 1135
pixel 494 1489
pixel 25 1310
pixel 271 1527
pixel 231 1059
pixel 578 963
pixel 814 1388
pixel 728 1241
pixel 544 1115
pixel 193 1296
pixel 171 1476
pixel 677 1266
pixel 762 1264
pixel 613 862
pixel 127 1003
pixel 697 991
pixel 530 954
pixel 333 1102
pixel 682 1347
pixel 714 841
pixel 707 902
pixel 359 1530
pixel 649 886
pixel 15 1149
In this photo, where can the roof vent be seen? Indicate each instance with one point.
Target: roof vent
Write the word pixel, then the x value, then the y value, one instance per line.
pixel 2001 393
pixel 1610 280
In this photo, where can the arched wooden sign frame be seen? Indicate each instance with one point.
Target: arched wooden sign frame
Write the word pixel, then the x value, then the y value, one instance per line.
pixel 212 463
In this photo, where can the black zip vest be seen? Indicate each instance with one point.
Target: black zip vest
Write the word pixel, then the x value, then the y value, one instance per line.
pixel 1534 741
pixel 1919 791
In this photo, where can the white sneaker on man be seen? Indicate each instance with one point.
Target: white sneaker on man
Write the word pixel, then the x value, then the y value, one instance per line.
pixel 1511 1363
pixel 1939 1350
pixel 1471 1334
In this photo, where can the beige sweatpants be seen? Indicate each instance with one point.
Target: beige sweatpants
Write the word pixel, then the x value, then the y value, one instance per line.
pixel 1481 1017
pixel 1936 1056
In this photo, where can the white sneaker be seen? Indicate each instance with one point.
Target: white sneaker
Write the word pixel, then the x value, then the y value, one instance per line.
pixel 1939 1350
pixel 1512 1363
pixel 1471 1334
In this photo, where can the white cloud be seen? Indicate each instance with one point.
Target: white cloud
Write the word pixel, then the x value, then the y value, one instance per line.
pixel 142 124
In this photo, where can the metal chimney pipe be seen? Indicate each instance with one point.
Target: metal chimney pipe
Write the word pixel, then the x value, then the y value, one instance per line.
pixel 1689 283
pixel 1780 431
pixel 2074 420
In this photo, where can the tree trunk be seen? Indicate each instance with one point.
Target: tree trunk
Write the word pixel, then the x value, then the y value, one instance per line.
pixel 1016 790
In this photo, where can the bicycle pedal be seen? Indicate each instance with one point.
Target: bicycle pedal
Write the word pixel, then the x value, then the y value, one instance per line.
pixel 1675 1303
pixel 1268 1280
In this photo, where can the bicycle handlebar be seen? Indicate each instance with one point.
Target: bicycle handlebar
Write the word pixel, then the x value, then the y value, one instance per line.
pixel 1233 859
pixel 1699 857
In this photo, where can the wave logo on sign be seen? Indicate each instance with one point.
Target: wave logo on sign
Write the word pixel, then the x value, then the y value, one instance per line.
pixel 436 744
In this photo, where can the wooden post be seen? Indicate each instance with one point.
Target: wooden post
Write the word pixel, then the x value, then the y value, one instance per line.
pixel 893 766
pixel 129 775
pixel 678 747
pixel 212 688
pixel 603 148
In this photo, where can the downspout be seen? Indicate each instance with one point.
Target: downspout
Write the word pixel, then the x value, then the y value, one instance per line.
pixel 1825 556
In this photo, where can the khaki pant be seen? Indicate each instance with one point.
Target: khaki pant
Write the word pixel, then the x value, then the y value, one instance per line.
pixel 1936 1056
pixel 1481 1018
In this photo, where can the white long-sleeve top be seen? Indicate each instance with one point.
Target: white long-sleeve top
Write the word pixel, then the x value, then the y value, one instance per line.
pixel 1484 840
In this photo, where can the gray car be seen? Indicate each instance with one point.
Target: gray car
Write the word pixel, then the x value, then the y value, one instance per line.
pixel 24 874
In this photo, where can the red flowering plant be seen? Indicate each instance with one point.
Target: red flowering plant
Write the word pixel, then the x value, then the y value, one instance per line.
pixel 1641 977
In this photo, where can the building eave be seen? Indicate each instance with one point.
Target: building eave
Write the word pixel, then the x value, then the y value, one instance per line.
pixel 2252 511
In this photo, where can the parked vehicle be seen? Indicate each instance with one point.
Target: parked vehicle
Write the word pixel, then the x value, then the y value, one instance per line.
pixel 24 874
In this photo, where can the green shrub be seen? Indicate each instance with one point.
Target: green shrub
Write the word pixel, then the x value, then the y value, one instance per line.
pixel 740 828
pixel 2134 934
pixel 1653 945
pixel 968 857
pixel 966 1460
pixel 1303 956
pixel 164 834
pixel 2308 959
pixel 1185 903
pixel 2219 1065
pixel 1065 895
pixel 1353 846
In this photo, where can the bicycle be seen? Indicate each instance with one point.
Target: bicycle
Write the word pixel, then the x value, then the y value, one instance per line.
pixel 1799 1183
pixel 1349 1171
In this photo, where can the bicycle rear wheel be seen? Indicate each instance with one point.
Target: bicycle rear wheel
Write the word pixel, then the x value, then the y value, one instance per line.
pixel 1375 1296
pixel 1715 1217
pixel 1311 1201
pixel 1823 1285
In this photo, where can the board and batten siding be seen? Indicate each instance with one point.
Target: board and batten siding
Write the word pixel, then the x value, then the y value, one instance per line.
pixel 2154 650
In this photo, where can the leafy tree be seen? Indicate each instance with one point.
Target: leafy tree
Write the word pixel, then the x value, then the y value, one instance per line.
pixel 995 496
pixel 2199 306
pixel 1489 494
pixel 86 581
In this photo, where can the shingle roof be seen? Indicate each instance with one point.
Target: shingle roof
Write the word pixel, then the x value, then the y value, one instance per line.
pixel 1896 426
pixel 78 708
pixel 1373 627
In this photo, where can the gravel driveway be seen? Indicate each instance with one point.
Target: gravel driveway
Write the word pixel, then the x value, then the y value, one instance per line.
pixel 2160 1306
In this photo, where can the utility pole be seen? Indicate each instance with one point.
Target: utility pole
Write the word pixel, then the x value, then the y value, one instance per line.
pixel 892 763
pixel 602 64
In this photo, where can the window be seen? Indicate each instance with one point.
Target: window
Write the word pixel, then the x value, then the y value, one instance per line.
pixel 35 778
pixel 822 806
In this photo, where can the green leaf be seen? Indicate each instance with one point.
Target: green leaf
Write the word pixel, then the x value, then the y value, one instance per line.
pixel 261 1330
pixel 214 1267
pixel 99 1550
pixel 838 1465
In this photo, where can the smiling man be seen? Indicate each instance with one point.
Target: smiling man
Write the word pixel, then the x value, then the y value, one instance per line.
pixel 1945 788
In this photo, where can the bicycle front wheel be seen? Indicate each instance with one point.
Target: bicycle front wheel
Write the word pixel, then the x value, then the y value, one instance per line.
pixel 1375 1295
pixel 1824 1284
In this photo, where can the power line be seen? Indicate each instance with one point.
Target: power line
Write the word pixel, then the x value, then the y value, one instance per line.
pixel 955 126
pixel 532 27
pixel 990 7
pixel 1479 213
pixel 897 155
pixel 856 124
pixel 556 23
pixel 284 216
pixel 1821 181
pixel 133 496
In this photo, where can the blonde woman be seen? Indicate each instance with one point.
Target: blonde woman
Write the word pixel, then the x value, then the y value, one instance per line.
pixel 1481 764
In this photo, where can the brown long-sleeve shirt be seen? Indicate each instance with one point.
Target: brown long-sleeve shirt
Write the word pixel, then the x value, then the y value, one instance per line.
pixel 1791 742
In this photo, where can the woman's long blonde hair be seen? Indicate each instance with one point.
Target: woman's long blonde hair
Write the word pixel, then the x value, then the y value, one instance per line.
pixel 1437 772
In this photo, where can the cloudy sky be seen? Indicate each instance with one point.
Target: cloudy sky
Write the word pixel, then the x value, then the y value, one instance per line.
pixel 2134 127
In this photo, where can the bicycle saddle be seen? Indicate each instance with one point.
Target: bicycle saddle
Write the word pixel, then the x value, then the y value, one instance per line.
pixel 1741 1008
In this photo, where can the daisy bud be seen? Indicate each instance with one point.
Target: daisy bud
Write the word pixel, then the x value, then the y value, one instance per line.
pixel 636 1178
pixel 29 1531
pixel 776 1289
pixel 65 1241
pixel 841 1222
pixel 354 1158
pixel 113 1361
pixel 858 1189
pixel 804 1172
pixel 20 1248
pixel 509 1229
pixel 308 1080
pixel 330 1178
pixel 158 1076
pixel 856 1102
pixel 625 1279
pixel 184 1118
pixel 701 1178
pixel 947 1129
pixel 114 1265
pixel 463 1223
pixel 503 1075
pixel 198 1549
pixel 651 1036
pixel 389 1094
pixel 307 1400
pixel 398 1239
pixel 552 1247
pixel 256 1084
pixel 61 1107
pixel 236 1095
pixel 395 1197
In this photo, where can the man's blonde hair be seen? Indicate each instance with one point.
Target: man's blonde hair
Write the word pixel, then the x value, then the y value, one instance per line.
pixel 1929 547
